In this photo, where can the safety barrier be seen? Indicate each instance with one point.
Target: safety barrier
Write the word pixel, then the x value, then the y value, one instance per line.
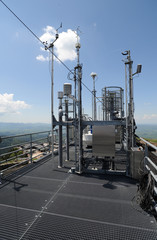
pixel 150 167
pixel 18 150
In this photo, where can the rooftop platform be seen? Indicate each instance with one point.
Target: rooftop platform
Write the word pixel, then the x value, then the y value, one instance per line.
pixel 43 202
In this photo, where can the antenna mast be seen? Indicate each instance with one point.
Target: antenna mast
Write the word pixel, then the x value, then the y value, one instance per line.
pixel 79 77
pixel 51 46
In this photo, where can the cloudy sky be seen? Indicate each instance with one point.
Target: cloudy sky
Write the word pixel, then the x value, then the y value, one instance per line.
pixel 107 27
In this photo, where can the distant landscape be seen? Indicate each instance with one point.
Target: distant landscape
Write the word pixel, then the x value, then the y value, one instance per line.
pixel 148 131
pixel 7 129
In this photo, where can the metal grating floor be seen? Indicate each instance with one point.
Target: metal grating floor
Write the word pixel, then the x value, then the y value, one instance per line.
pixel 42 203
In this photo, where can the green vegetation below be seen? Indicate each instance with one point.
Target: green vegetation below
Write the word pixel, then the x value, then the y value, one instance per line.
pixel 147 131
pixel 153 141
pixel 9 129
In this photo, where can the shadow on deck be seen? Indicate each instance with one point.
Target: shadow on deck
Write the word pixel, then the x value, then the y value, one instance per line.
pixel 43 202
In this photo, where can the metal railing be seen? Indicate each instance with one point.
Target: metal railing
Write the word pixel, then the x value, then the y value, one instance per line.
pixel 18 150
pixel 150 167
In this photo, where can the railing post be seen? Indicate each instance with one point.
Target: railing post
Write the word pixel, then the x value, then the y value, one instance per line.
pixel 0 177
pixel 49 141
pixel 145 155
pixel 67 130
pixel 31 147
pixel 146 150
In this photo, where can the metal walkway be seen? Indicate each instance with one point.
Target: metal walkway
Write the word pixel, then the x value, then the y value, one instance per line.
pixel 44 204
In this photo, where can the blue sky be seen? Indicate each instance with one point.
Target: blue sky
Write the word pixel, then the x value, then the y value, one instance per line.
pixel 108 27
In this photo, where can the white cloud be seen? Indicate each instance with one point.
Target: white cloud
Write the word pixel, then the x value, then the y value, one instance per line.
pixel 8 105
pixel 42 58
pixel 17 35
pixel 147 103
pixel 49 34
pixel 94 24
pixel 42 49
pixel 150 117
pixel 64 46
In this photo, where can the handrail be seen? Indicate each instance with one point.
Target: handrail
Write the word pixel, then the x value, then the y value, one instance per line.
pixel 30 139
pixel 21 135
pixel 148 143
pixel 151 168
pixel 151 163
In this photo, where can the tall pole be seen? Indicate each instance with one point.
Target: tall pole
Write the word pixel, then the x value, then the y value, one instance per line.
pixel 106 105
pixel 79 70
pixel 60 155
pixel 130 123
pixel 103 105
pixel 94 114
pixel 52 84
pixel 67 130
pixel 126 107
pixel 131 102
pixel 51 46
pixel 75 117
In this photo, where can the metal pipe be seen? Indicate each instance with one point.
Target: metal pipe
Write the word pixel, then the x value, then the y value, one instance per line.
pixel 151 163
pixel 80 117
pixel 131 102
pixel 148 143
pixel 52 84
pixel 105 105
pixel 75 117
pixel 22 135
pixel 31 148
pixel 94 111
pixel 79 71
pixel 60 150
pixel 126 107
pixel 67 130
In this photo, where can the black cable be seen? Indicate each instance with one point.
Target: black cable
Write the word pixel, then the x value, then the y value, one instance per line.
pixel 22 22
pixel 91 92
pixel 46 46
pixel 34 35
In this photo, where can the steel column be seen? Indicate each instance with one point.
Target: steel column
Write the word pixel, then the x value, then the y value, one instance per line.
pixel 67 130
pixel 60 157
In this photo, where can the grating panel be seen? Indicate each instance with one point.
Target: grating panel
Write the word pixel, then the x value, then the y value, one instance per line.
pixel 46 171
pixel 26 199
pixel 78 207
pixel 107 190
pixel 106 211
pixel 102 178
pixel 51 227
pixel 13 222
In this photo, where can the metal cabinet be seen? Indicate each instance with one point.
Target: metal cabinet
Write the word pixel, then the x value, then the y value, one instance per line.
pixel 104 141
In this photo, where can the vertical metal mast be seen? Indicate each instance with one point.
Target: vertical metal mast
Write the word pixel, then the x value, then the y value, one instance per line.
pixel 130 122
pixel 51 46
pixel 126 109
pixel 131 101
pixel 130 107
pixel 60 157
pixel 52 84
pixel 94 114
pixel 75 117
pixel 79 70
pixel 67 130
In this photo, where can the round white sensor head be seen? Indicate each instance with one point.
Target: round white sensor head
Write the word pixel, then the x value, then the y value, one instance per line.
pixel 77 45
pixel 93 74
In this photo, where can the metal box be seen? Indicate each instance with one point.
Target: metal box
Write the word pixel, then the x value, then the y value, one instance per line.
pixel 136 160
pixel 104 141
pixel 67 89
pixel 60 95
